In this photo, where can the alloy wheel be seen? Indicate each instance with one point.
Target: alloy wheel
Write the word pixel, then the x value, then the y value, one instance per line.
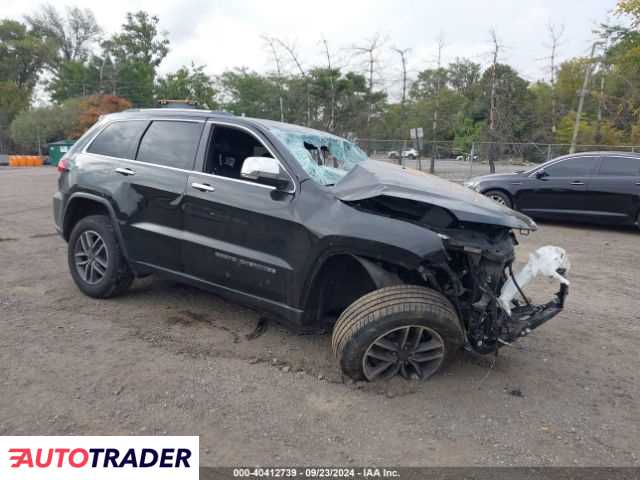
pixel 91 257
pixel 413 351
pixel 498 199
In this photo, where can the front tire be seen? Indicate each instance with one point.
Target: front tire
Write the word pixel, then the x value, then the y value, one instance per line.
pixel 95 259
pixel 499 197
pixel 404 330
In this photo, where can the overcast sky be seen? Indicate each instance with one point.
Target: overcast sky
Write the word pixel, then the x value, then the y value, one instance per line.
pixel 227 34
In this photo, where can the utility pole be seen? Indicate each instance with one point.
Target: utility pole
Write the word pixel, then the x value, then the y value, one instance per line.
pixel 556 34
pixel 276 58
pixel 434 148
pixel 583 93
pixel 492 109
pixel 332 84
pixel 403 59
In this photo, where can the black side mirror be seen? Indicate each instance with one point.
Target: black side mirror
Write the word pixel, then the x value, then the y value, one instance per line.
pixel 541 173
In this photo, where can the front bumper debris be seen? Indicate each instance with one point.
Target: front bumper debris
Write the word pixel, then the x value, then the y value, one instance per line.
pixel 551 262
pixel 525 318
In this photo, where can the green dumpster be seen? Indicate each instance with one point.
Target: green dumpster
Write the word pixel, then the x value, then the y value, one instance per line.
pixel 58 149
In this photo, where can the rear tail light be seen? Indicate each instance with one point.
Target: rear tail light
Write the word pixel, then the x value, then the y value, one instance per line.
pixel 63 164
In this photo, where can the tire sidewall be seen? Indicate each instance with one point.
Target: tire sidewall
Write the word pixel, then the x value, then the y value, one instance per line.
pixel 356 347
pixel 101 225
pixel 504 196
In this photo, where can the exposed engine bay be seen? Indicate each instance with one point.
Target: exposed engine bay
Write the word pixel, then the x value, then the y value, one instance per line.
pixel 476 272
pixel 478 277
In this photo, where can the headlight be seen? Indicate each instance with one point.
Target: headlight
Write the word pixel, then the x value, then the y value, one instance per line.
pixel 472 184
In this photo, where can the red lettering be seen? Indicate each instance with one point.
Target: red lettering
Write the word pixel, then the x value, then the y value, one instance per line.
pixel 22 456
pixel 74 453
pixel 39 462
pixel 61 452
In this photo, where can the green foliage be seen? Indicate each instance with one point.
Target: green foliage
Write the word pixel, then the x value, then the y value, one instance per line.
pixel 70 35
pixel 565 130
pixel 78 64
pixel 185 83
pixel 39 126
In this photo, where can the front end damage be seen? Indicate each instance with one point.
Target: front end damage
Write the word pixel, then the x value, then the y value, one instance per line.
pixel 477 276
pixel 474 267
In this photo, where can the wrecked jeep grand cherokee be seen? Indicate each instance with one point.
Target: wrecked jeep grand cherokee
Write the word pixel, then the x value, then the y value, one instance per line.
pixel 405 268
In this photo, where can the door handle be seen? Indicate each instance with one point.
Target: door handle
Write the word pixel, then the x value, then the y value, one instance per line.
pixel 637 183
pixel 577 183
pixel 125 171
pixel 203 187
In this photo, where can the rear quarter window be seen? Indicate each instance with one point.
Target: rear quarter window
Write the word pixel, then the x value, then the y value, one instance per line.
pixel 170 143
pixel 118 139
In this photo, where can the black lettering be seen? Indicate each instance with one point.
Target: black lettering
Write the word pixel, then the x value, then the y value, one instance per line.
pixel 129 459
pixel 183 455
pixel 167 456
pixel 95 456
pixel 143 458
pixel 110 456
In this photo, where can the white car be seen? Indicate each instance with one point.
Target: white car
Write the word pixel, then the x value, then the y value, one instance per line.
pixel 412 154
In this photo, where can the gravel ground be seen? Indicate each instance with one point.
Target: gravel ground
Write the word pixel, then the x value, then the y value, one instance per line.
pixel 170 359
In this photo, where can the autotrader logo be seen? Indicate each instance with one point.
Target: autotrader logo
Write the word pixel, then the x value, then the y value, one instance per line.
pixel 105 457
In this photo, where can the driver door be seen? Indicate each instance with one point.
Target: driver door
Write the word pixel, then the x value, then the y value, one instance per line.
pixel 240 235
pixel 559 190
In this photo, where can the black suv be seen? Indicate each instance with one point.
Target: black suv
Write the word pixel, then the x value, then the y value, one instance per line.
pixel 405 268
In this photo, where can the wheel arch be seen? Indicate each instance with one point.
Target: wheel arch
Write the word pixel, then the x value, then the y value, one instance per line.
pixel 339 280
pixel 82 204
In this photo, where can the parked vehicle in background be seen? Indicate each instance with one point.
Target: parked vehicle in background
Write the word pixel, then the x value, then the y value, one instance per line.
pixel 393 154
pixel 598 187
pixel 411 154
pixel 405 268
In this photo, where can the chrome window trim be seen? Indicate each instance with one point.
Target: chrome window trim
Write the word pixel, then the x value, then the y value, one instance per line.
pixel 190 172
pixel 195 172
pixel 120 120
pixel 533 174
pixel 251 132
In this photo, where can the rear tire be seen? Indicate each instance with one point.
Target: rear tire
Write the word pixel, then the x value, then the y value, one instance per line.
pixel 95 259
pixel 499 197
pixel 421 323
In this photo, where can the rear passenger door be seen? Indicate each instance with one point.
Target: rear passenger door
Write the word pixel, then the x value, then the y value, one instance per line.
pixel 164 158
pixel 148 164
pixel 615 189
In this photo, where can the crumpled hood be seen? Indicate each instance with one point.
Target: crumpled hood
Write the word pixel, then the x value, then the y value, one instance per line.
pixel 372 179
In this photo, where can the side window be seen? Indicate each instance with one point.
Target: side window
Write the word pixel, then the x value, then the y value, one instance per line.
pixel 619 167
pixel 228 149
pixel 118 139
pixel 170 143
pixel 572 167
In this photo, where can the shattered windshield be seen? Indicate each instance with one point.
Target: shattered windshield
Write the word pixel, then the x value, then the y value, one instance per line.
pixel 325 157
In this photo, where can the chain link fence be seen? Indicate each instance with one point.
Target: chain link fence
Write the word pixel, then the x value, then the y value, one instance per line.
pixel 460 163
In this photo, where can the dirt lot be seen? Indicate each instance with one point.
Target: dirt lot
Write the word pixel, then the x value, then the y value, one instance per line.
pixel 168 359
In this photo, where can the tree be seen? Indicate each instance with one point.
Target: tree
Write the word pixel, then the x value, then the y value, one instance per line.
pixel 463 76
pixel 134 55
pixel 193 84
pixel 249 93
pixel 93 107
pixel 370 51
pixel 71 35
pixel 23 55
